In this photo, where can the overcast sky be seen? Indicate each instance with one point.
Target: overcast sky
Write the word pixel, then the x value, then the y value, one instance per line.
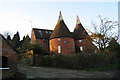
pixel 18 15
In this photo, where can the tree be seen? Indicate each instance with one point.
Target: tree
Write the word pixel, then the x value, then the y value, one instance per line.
pixel 114 50
pixel 25 44
pixel 16 41
pixel 114 46
pixel 103 33
pixel 6 33
pixel 8 37
pixel 37 49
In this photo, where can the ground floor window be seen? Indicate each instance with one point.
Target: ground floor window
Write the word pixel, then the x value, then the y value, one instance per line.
pixel 4 62
pixel 80 40
pixel 81 48
pixel 59 50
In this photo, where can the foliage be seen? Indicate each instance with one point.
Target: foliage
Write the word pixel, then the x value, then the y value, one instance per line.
pixel 8 37
pixel 114 46
pixel 103 33
pixel 76 61
pixel 22 58
pixel 25 44
pixel 16 42
pixel 114 50
pixel 37 49
pixel 20 46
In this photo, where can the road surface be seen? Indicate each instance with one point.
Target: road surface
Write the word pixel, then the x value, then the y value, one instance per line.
pixel 44 72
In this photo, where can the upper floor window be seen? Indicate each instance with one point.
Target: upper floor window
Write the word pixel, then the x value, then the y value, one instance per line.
pixel 40 32
pixel 50 32
pixel 81 48
pixel 80 40
pixel 46 31
pixel 59 50
pixel 58 39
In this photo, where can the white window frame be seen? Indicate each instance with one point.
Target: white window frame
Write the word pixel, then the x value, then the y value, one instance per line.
pixel 59 49
pixel 81 48
pixel 58 39
pixel 46 32
pixel 50 32
pixel 4 68
pixel 40 32
pixel 80 40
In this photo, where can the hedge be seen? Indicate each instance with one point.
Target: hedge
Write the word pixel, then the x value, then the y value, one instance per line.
pixel 77 61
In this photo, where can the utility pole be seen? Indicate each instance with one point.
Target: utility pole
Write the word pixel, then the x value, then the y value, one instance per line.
pixel 31 24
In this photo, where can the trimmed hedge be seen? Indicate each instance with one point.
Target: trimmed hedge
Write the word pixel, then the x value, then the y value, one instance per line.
pixel 76 61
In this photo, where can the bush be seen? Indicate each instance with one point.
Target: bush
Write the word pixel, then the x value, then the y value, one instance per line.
pixel 76 61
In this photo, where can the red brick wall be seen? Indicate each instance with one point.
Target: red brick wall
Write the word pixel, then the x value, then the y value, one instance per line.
pixel 12 63
pixel 33 39
pixel 44 44
pixel 66 48
pixel 86 44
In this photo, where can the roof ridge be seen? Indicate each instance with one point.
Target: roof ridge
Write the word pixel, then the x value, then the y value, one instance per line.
pixel 42 29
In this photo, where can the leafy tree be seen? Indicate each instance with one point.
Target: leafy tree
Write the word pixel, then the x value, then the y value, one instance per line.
pixel 8 37
pixel 16 41
pixel 6 33
pixel 114 46
pixel 103 33
pixel 37 48
pixel 25 44
pixel 114 50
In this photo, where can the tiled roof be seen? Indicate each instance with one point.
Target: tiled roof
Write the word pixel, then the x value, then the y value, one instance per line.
pixel 79 31
pixel 6 50
pixel 42 33
pixel 60 29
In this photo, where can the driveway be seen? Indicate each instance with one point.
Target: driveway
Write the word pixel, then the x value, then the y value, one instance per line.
pixel 44 72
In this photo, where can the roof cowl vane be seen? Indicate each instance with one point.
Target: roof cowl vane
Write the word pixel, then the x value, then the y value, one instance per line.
pixel 60 17
pixel 78 20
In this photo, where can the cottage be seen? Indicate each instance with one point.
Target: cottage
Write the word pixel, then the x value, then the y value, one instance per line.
pixel 61 40
pixel 41 36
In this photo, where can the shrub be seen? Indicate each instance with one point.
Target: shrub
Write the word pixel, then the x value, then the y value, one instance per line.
pixel 76 61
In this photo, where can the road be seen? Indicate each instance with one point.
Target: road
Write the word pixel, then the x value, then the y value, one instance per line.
pixel 44 72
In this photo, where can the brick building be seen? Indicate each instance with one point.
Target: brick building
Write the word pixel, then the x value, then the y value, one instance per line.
pixel 61 40
pixel 8 57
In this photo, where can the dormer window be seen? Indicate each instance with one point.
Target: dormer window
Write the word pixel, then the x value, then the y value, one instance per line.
pixel 50 32
pixel 80 40
pixel 58 39
pixel 46 31
pixel 40 32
